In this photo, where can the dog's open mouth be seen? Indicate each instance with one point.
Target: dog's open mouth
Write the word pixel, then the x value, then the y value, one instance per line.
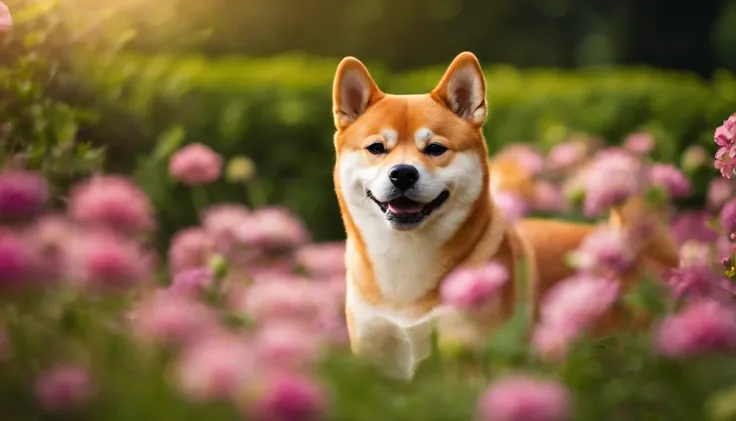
pixel 406 211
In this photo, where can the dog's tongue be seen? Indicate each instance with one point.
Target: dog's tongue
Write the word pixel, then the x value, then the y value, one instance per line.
pixel 404 206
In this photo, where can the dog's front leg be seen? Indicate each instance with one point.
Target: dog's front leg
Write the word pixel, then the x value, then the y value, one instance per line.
pixel 398 350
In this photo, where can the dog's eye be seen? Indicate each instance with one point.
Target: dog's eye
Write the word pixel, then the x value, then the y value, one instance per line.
pixel 434 149
pixel 376 148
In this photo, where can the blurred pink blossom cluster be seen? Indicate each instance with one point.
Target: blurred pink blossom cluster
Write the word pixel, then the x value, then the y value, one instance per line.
pixel 258 264
pixel 64 388
pixel 95 245
pixel 250 239
pixel 266 371
pixel 597 179
pixel 701 327
pixel 582 172
pixel 570 309
pixel 253 306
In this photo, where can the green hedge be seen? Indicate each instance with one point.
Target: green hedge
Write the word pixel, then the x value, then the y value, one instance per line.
pixel 278 112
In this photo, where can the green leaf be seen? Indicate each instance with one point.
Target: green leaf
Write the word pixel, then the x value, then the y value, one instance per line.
pixel 168 142
pixel 647 296
pixel 508 343
pixel 655 196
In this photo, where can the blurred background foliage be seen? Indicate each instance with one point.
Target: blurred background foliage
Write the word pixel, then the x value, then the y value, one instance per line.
pixel 119 85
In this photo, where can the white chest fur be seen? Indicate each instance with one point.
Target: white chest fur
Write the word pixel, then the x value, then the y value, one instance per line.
pixel 405 267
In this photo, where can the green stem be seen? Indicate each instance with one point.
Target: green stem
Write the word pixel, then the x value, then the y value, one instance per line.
pixel 436 354
pixel 199 198
pixel 256 195
pixel 485 362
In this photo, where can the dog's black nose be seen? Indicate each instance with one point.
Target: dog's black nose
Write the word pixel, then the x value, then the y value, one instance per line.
pixel 403 176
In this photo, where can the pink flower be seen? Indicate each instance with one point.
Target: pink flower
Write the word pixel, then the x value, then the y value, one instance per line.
pixel 728 216
pixel 525 398
pixel 605 248
pixel 697 281
pixel 725 138
pixel 552 343
pixel 22 194
pixel 548 197
pixel 322 259
pixel 299 301
pixel 190 248
pixel 719 191
pixel 287 397
pixel 512 206
pixel 64 388
pixel 566 155
pixel 473 288
pixel 671 179
pixel 17 261
pixel 286 345
pixel 613 177
pixel 224 223
pixel 195 164
pixel 114 202
pixel 526 156
pixel 725 134
pixel 274 228
pixel 50 237
pixel 334 330
pixel 724 247
pixel 6 21
pixel 337 287
pixel 639 143
pixel 102 261
pixel 215 368
pixel 172 319
pixel 577 303
pixel 701 327
pixel 693 225
pixel 726 161
pixel 192 282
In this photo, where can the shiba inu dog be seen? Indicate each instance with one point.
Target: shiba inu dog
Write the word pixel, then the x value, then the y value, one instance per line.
pixel 412 179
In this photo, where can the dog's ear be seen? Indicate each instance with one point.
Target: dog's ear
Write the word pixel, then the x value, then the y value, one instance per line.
pixel 463 89
pixel 352 91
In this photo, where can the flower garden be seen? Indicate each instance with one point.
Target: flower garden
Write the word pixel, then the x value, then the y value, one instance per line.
pixel 245 318
pixel 107 312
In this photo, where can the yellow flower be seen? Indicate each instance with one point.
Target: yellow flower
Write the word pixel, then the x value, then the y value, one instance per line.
pixel 240 168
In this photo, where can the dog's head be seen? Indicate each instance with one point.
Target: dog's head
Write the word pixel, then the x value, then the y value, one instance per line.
pixel 410 161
